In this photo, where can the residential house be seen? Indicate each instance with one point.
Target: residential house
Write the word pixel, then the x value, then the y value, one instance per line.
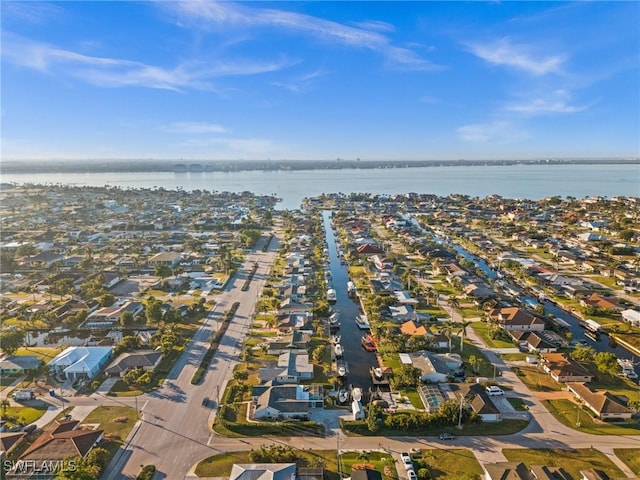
pixel 8 442
pixel 434 367
pixel 263 471
pixel 563 369
pixel 291 368
pixel 77 363
pixel 18 364
pixel 599 302
pixel 478 400
pixel 168 259
pixel 58 442
pixel 514 318
pixel 631 316
pixel 603 404
pixel 403 298
pixel 147 360
pixel 285 401
pixel 533 341
pixel 506 471
pixel 296 342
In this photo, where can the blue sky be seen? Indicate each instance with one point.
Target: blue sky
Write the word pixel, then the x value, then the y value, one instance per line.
pixel 320 80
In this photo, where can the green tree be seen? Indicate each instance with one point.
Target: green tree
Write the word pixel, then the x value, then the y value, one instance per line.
pixel 126 319
pixel 153 310
pixel 83 470
pixel 162 271
pixel 583 353
pixel 606 362
pixel 11 340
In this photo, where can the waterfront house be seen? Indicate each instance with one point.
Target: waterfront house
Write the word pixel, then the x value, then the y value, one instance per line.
pixel 19 364
pixel 631 316
pixel 603 404
pixel 292 368
pixel 285 401
pixel 514 318
pixel 563 369
pixel 77 363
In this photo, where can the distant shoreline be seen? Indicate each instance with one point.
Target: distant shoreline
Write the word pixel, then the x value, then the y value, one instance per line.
pixel 182 166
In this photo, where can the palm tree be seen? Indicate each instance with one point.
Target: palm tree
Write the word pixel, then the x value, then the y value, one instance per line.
pixel 463 330
pixel 447 331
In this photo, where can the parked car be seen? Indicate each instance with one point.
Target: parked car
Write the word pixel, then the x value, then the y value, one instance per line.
pixel 494 390
pixel 406 461
pixel 205 401
pixel 412 475
pixel 447 436
pixel 30 428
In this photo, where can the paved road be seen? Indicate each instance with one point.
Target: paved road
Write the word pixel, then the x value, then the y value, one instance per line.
pixel 175 431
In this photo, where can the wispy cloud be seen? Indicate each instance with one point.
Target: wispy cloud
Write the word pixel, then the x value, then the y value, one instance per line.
pixel 518 56
pixel 116 72
pixel 209 14
pixel 499 131
pixel 300 83
pixel 193 128
pixel 556 103
pixel 37 13
pixel 376 25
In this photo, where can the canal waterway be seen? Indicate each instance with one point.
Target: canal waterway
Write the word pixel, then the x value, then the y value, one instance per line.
pixel 358 360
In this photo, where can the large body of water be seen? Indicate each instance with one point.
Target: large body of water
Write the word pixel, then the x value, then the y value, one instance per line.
pixel 511 181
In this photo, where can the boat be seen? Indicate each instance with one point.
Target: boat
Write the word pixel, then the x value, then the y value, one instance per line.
pixel 377 372
pixel 369 343
pixel 343 396
pixel 342 371
pixel 362 321
pixel 562 323
pixel 351 288
pixel 335 339
pixel 331 295
pixel 591 325
pixel 338 350
pixel 334 319
pixel 356 394
pixel 628 369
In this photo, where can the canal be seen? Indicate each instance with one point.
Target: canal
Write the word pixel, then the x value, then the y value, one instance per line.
pixel 359 361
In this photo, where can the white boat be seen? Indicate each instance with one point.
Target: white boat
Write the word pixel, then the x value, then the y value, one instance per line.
pixel 343 396
pixel 356 394
pixel 342 371
pixel 378 373
pixel 334 318
pixel 362 321
pixel 351 288
pixel 335 339
pixel 338 350
pixel 628 369
pixel 331 295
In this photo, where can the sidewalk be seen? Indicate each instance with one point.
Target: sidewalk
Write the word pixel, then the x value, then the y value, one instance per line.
pixel 7 390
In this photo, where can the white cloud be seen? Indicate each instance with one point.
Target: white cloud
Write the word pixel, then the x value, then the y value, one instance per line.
pixel 31 12
pixel 499 131
pixel 375 25
pixel 210 14
pixel 558 102
pixel 504 53
pixel 115 72
pixel 193 128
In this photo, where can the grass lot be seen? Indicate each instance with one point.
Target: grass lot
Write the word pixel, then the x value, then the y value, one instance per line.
pixel 630 456
pixel 506 427
pixel 24 415
pixel 376 460
pixel 518 404
pixel 572 461
pixel 514 357
pixel 608 281
pixel 448 464
pixel 121 389
pixel 220 465
pixel 391 360
pixel 483 329
pixel 115 421
pixel 46 354
pixel 537 380
pixel 231 421
pixel 566 412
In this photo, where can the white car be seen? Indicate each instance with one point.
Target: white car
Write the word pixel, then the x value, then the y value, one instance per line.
pixel 406 461
pixel 412 475
pixel 494 390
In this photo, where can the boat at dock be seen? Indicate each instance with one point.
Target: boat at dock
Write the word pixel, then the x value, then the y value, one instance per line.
pixel 338 350
pixel 369 343
pixel 362 321
pixel 351 289
pixel 628 369
pixel 342 370
pixel 331 295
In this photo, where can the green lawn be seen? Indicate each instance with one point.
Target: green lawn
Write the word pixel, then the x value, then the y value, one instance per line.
pixel 23 415
pixel 376 460
pixel 572 461
pixel 518 404
pixel 483 329
pixel 630 456
pixel 537 380
pixel 506 427
pixel 46 354
pixel 121 389
pixel 220 465
pixel 115 421
pixel 567 412
pixel 449 464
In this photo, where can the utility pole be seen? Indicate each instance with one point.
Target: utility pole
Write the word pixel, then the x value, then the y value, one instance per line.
pixel 460 416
